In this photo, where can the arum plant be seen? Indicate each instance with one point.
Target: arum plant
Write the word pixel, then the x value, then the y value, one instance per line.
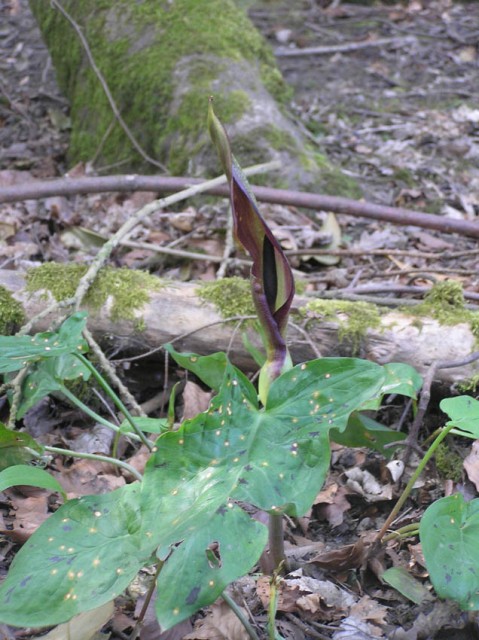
pixel 272 286
pixel 186 515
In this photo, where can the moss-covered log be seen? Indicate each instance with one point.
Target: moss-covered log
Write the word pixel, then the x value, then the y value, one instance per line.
pixel 161 61
pixel 146 313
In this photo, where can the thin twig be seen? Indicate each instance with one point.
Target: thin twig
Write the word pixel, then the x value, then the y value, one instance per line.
pixel 229 247
pixel 314 201
pixel 16 386
pixel 239 614
pixel 183 336
pixel 412 439
pixel 307 337
pixel 105 87
pixel 136 219
pixel 98 458
pixel 345 48
pixel 183 253
pixel 111 373
pixel 141 618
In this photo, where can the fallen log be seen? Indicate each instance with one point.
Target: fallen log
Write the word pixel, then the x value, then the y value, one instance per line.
pixel 181 312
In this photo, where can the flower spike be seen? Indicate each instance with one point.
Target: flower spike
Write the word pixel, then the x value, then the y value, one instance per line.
pixel 271 276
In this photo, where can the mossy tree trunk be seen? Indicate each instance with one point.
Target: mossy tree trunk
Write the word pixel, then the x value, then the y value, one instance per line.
pixel 161 61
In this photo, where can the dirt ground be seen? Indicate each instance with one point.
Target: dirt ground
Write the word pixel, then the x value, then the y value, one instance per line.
pixel 390 93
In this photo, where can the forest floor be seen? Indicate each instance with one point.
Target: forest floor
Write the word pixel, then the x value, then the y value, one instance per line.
pixel 391 95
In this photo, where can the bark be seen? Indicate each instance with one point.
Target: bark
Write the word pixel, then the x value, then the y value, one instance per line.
pixel 177 309
pixel 161 60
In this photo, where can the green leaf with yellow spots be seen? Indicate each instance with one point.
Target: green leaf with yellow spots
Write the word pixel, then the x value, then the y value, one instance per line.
pixel 84 555
pixel 224 548
pixel 18 351
pixel 16 447
pixel 275 458
pixel 401 379
pixel 48 376
pixel 186 508
pixel 209 369
pixel 449 531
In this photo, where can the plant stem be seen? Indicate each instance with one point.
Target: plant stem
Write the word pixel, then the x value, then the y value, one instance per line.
pixel 404 532
pixel 119 404
pixel 412 481
pixel 276 541
pixel 96 456
pixel 149 595
pixel 86 409
pixel 239 614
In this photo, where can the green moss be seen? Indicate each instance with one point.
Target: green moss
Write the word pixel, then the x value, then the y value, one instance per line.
pixel 449 464
pixel 445 303
pixel 404 175
pixel 281 140
pixel 334 182
pixel 353 318
pixel 12 315
pixel 141 71
pixel 129 290
pixel 469 386
pixel 187 120
pixel 231 296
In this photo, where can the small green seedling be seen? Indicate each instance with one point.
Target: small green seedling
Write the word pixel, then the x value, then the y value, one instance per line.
pixel 186 515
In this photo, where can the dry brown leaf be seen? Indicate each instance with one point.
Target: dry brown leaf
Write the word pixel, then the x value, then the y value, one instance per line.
pixel 332 503
pixel 140 458
pixel 314 598
pixel 471 464
pixel 195 400
pixel 287 594
pixel 353 628
pixel 83 626
pixel 368 609
pixel 29 513
pixel 328 601
pixel 365 484
pixel 351 556
pixel 220 623
pixel 150 627
pixel 87 476
pixel 184 221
